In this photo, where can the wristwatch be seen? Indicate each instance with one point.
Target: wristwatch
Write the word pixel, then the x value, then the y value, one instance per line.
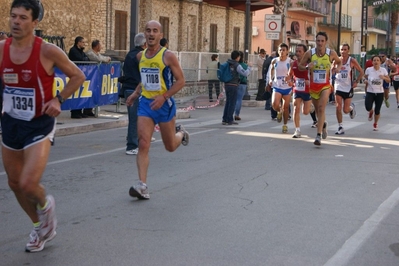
pixel 60 99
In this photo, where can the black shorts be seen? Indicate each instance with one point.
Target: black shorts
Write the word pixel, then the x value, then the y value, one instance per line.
pixel 396 85
pixel 345 95
pixel 20 134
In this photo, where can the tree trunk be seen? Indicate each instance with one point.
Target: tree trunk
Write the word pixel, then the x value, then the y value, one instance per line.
pixel 278 9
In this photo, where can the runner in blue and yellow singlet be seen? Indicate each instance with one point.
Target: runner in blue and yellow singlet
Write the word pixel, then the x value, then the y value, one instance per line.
pixel 158 66
pixel 320 61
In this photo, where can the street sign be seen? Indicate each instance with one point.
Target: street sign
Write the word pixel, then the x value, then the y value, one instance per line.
pixel 381 2
pixel 272 36
pixel 272 23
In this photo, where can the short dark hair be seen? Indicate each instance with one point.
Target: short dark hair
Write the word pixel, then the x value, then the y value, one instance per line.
pixel 305 48
pixel 78 39
pixel 322 33
pixel 283 45
pixel 262 51
pixel 235 54
pixel 95 43
pixel 214 56
pixel 28 5
pixel 163 41
pixel 347 45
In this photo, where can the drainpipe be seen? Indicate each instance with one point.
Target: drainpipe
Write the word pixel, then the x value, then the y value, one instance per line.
pixel 134 15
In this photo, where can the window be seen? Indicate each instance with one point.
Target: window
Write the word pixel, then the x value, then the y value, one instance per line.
pixel 213 44
pixel 236 38
pixel 120 30
pixel 165 25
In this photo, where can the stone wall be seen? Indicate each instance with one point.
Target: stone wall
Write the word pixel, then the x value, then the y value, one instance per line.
pixel 189 22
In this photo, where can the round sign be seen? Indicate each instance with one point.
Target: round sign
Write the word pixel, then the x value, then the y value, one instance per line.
pixel 272 25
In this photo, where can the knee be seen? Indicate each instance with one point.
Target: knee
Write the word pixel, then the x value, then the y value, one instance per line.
pixel 144 145
pixel 26 187
pixel 169 147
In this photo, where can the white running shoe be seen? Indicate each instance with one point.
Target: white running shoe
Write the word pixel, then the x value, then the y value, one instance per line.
pixel 132 152
pixel 340 131
pixel 48 220
pixel 152 139
pixel 139 191
pixel 352 113
pixel 35 244
pixel 297 134
pixel 324 132
pixel 186 135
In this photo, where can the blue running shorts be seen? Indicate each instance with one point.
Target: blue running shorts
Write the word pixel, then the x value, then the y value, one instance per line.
pixel 163 114
pixel 302 95
pixel 282 92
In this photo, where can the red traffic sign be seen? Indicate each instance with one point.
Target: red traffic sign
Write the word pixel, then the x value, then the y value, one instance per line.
pixel 272 23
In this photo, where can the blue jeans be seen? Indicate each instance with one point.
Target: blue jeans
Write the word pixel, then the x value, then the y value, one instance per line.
pixel 132 137
pixel 240 94
pixel 231 98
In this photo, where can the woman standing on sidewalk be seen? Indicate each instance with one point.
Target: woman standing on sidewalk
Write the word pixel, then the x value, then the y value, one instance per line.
pixel 374 77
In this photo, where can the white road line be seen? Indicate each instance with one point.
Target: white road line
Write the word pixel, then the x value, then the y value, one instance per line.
pixel 106 152
pixel 355 242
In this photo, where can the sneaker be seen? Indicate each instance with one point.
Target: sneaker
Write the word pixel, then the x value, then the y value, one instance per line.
pixel 371 115
pixel 352 113
pixel 48 220
pixel 340 131
pixel 132 152
pixel 139 191
pixel 317 141
pixel 279 117
pixel 153 139
pixel 285 129
pixel 297 134
pixel 386 103
pixel 224 123
pixel 35 244
pixel 237 118
pixel 375 127
pixel 314 124
pixel 312 108
pixel 324 132
pixel 186 136
pixel 398 107
pixel 274 119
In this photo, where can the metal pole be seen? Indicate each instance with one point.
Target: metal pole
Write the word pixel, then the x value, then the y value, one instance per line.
pixel 134 14
pixel 246 39
pixel 339 26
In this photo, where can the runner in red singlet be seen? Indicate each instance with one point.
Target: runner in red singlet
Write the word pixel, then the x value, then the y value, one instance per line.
pixel 27 70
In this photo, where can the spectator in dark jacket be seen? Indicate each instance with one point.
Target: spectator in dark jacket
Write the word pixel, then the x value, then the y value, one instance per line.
pixel 131 79
pixel 77 54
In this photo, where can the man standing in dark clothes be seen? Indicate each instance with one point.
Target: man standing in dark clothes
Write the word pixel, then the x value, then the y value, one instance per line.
pixel 265 70
pixel 76 54
pixel 131 79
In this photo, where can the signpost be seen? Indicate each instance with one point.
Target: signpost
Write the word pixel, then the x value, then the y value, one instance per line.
pixel 273 23
pixel 272 36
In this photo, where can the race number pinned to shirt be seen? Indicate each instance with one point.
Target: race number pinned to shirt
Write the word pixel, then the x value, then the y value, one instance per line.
pixel 344 75
pixel 19 103
pixel 151 79
pixel 319 76
pixel 300 84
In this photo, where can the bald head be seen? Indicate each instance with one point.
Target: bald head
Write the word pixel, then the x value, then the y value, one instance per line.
pixel 154 23
pixel 153 34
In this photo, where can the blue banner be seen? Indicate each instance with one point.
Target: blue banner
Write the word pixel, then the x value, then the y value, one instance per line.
pixel 100 88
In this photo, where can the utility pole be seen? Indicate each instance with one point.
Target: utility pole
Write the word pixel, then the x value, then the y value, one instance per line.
pixel 339 26
pixel 134 14
pixel 246 39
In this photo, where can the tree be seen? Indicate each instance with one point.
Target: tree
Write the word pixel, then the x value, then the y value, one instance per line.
pixel 391 8
pixel 278 9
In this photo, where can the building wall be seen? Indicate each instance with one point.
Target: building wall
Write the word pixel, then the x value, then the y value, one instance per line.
pixel 188 30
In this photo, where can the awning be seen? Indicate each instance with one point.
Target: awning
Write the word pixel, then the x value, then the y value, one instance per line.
pixel 295 41
pixel 311 43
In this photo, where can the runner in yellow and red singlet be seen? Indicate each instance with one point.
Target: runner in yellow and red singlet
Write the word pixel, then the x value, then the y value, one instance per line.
pixel 320 61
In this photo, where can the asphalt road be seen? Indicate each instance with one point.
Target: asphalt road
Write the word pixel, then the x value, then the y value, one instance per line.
pixel 237 195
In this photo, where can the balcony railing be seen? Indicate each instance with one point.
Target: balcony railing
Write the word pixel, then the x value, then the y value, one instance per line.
pixel 311 5
pixel 332 19
pixel 377 23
